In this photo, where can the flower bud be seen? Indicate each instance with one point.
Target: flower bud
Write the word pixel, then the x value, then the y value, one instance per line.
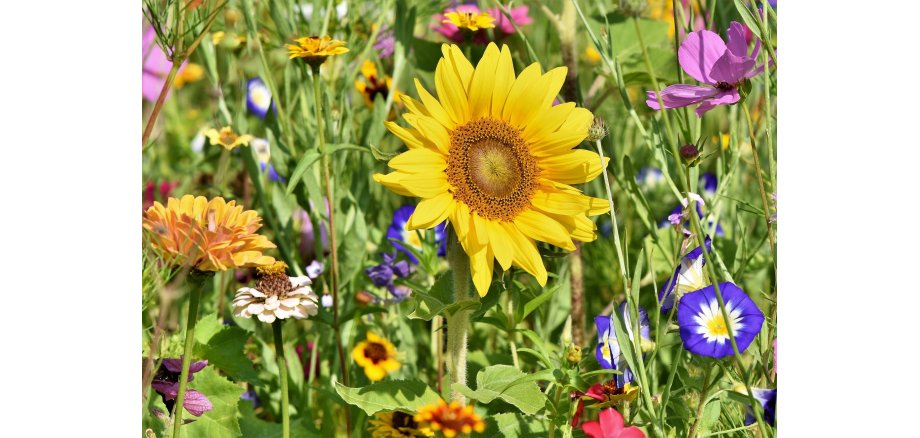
pixel 598 129
pixel 689 152
pixel 633 8
pixel 573 354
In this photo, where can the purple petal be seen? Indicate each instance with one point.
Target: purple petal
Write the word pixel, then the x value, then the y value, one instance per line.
pixel 197 366
pixel 724 98
pixel 196 403
pixel 169 389
pixel 737 43
pixel 730 68
pixel 699 52
pixel 680 95
pixel 173 365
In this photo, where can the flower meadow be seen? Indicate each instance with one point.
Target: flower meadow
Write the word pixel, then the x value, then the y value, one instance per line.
pixel 405 218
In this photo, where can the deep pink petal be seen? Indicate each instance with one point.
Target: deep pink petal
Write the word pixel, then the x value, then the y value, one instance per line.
pixel 196 403
pixel 737 43
pixel 631 432
pixel 593 429
pixel 699 52
pixel 680 95
pixel 169 389
pixel 611 422
pixel 730 68
pixel 723 98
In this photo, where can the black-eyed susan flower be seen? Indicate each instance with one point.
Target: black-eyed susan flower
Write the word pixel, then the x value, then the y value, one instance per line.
pixel 376 355
pixel 396 424
pixel 373 84
pixel 450 419
pixel 207 235
pixel 227 138
pixel 493 156
pixel 315 50
pixel 469 19
pixel 276 296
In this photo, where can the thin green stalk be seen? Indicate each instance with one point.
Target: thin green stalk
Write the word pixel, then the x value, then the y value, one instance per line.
pixel 458 324
pixel 763 191
pixel 651 73
pixel 702 403
pixel 514 353
pixel 334 272
pixel 282 369
pixel 196 282
pixel 556 398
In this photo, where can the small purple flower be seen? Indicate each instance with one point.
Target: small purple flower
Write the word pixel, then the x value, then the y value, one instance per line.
pixel 166 383
pixel 399 293
pixel 675 218
pixel 381 275
pixel 704 331
pixel 767 399
pixel 679 211
pixel 608 352
pixel 722 67
pixel 709 182
pixel 258 97
pixel 386 43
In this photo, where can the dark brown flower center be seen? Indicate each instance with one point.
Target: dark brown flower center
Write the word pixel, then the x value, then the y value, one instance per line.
pixel 376 86
pixel 274 284
pixel 490 169
pixel 724 86
pixel 376 352
pixel 611 389
pixel 402 419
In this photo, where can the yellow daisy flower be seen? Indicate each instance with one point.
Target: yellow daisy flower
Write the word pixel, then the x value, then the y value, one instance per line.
pixel 210 235
pixel 227 138
pixel 469 20
pixel 315 50
pixel 396 425
pixel 450 420
pixel 592 55
pixel 376 355
pixel 373 83
pixel 191 73
pixel 493 156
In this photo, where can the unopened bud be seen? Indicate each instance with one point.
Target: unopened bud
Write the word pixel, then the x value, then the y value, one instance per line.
pixel 633 8
pixel 598 129
pixel 573 354
pixel 647 345
pixel 689 153
pixel 232 16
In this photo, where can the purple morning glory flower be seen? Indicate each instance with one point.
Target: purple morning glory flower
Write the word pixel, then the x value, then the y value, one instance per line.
pixel 166 383
pixel 767 399
pixel 704 331
pixel 399 231
pixel 381 275
pixel 721 67
pixel 688 277
pixel 258 97
pixel 386 43
pixel 608 352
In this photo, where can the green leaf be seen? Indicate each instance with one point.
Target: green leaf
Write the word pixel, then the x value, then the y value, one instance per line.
pixel 748 18
pixel 533 304
pixel 391 395
pixel 305 162
pixel 710 415
pixel 439 300
pixel 513 425
pixel 507 383
pixel 222 346
pixel 220 422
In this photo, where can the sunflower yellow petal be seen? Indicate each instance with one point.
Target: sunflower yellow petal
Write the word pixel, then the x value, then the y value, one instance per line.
pixel 459 65
pixel 575 167
pixel 525 253
pixel 553 80
pixel 481 88
pixel 478 229
pixel 433 131
pixel 541 227
pixel 410 136
pixel 393 182
pixel 481 266
pixel 504 79
pixel 565 203
pixel 431 212
pixel 572 132
pixel 460 219
pixel 501 246
pixel 433 107
pixel 548 121
pixel 418 161
pixel 524 96
pixel 413 184
pixel 451 93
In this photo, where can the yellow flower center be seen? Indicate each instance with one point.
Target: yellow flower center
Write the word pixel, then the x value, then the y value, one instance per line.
pixel 717 326
pixel 376 352
pixel 490 169
pixel 227 137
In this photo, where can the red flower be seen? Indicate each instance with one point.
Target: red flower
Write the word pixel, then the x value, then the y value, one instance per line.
pixel 611 426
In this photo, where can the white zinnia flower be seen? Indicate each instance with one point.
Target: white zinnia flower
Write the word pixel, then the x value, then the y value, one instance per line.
pixel 276 296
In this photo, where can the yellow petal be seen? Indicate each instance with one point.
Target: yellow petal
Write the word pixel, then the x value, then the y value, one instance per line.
pixel 500 244
pixel 479 230
pixel 504 79
pixel 569 135
pixel 374 372
pixel 433 106
pixel 481 265
pixel 548 121
pixel 392 182
pixel 431 212
pixel 460 220
pixel 419 161
pixel 481 86
pixel 553 80
pixel 541 227
pixel 411 137
pixel 414 184
pixel 524 96
pixel 452 93
pixel 573 167
pixel 525 253
pixel 459 65
pixel 566 203
pixel 433 131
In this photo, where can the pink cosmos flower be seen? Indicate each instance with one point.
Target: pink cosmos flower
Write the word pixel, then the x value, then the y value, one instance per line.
pixel 721 67
pixel 611 426
pixel 503 26
pixel 156 67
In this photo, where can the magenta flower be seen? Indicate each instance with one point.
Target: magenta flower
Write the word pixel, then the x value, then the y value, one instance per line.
pixel 166 383
pixel 155 68
pixel 722 67
pixel 519 15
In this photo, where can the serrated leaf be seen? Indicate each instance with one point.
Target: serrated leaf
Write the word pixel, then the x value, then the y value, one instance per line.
pixel 390 395
pixel 507 383
pixel 222 346
pixel 220 422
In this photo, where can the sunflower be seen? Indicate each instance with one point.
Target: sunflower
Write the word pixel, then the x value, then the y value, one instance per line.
pixel 471 20
pixel 396 425
pixel 493 156
pixel 210 235
pixel 450 419
pixel 373 84
pixel 376 355
pixel 227 138
pixel 315 50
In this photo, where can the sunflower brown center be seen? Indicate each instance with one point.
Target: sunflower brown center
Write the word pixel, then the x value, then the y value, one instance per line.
pixel 490 169
pixel 375 352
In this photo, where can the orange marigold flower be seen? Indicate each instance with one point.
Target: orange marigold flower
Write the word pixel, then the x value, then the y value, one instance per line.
pixel 451 419
pixel 208 235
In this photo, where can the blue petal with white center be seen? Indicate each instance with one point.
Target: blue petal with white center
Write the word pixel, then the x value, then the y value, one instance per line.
pixel 703 329
pixel 688 277
pixel 258 97
pixel 608 352
pixel 767 399
pixel 399 231
pixel 709 183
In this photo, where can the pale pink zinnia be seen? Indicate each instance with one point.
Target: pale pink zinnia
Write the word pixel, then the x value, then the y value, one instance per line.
pixel 722 67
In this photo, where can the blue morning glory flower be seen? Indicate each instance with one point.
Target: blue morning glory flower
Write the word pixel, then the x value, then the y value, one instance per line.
pixel 767 399
pixel 258 97
pixel 399 231
pixel 272 174
pixel 709 183
pixel 649 176
pixel 688 277
pixel 608 351
pixel 704 331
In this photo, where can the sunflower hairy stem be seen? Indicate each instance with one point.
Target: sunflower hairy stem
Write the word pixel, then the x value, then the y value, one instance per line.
pixel 282 370
pixel 196 280
pixel 458 324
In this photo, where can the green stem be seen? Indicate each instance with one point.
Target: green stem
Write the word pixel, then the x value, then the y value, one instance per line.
pixel 458 324
pixel 282 369
pixel 334 271
pixel 514 353
pixel 552 424
pixel 196 282
pixel 702 403
pixel 160 100
pixel 763 190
